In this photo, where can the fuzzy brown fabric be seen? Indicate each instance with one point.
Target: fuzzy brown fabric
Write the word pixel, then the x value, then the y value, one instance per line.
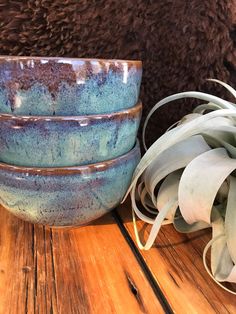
pixel 180 42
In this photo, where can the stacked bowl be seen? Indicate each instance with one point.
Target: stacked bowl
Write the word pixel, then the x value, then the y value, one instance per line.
pixel 68 132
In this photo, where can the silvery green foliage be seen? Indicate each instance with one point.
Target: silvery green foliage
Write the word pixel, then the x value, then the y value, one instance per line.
pixel 193 164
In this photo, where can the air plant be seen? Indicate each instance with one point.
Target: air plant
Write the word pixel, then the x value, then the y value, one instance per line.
pixel 187 178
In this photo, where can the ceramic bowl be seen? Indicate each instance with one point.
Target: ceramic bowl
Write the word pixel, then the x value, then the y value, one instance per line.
pixel 40 141
pixel 65 86
pixel 69 196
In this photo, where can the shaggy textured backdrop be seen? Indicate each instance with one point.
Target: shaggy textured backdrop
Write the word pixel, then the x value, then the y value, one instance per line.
pixel 180 42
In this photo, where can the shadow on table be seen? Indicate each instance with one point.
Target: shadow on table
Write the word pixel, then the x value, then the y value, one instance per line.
pixel 125 218
pixel 166 230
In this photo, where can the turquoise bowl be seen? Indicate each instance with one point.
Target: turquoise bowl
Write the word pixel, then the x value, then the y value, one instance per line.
pixel 46 141
pixel 68 196
pixel 67 86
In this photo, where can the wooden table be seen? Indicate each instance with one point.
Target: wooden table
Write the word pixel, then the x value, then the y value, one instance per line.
pixel 98 269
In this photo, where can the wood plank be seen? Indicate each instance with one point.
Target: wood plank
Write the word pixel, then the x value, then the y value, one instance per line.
pixel 85 270
pixel 176 263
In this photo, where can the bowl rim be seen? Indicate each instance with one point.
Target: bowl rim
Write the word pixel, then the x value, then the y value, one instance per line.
pixel 83 169
pixel 135 110
pixel 136 62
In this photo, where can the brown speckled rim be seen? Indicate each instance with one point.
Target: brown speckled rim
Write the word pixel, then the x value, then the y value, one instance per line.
pixel 136 63
pixel 85 169
pixel 134 111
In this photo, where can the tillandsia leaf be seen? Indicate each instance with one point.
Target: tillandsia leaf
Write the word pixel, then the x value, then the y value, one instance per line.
pixel 230 219
pixel 169 191
pixel 138 190
pixel 216 139
pixel 209 244
pixel 224 104
pixel 189 117
pixel 227 86
pixel 156 225
pixel 221 197
pixel 144 217
pixel 173 136
pixel 219 124
pixel 231 149
pixel 221 208
pixel 222 265
pixel 219 136
pixel 206 107
pixel 172 159
pixel 182 226
pixel 221 262
pixel 212 141
pixel 147 202
pixel 200 182
pixel 219 128
pixel 172 126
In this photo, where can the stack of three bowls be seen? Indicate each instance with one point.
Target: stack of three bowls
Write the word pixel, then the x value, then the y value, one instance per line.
pixel 67 136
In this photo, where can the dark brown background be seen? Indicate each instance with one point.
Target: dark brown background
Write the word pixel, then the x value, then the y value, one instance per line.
pixel 180 42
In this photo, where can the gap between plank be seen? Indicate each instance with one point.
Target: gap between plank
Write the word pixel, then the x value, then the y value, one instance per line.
pixel 157 290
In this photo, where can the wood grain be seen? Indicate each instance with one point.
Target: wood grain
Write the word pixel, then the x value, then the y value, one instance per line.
pixel 86 270
pixel 176 263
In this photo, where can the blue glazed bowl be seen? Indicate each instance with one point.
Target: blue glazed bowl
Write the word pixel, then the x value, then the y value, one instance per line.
pixel 39 141
pixel 69 196
pixel 65 86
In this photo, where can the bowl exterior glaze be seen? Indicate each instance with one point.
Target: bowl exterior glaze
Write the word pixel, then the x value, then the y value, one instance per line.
pixel 63 86
pixel 60 141
pixel 66 196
